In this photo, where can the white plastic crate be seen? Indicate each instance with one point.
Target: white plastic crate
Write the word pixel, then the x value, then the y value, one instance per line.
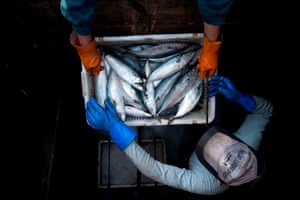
pixel 204 115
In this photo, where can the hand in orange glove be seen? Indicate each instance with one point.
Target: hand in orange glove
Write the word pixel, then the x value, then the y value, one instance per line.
pixel 208 58
pixel 89 55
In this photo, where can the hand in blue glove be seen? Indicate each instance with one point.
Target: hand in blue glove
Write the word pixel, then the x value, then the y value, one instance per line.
pixel 108 120
pixel 97 116
pixel 221 84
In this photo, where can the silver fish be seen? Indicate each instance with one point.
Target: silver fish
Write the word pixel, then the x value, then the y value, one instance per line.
pixel 171 66
pixel 164 87
pixel 149 94
pixel 160 50
pixel 179 90
pixel 115 94
pixel 100 83
pixel 131 61
pixel 194 47
pixel 132 96
pixel 190 100
pixel 138 47
pixel 136 112
pixel 125 72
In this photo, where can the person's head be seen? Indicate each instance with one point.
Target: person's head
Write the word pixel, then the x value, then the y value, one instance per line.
pixel 228 158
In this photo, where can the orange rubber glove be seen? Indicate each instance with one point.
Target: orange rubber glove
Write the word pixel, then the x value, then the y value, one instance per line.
pixel 208 58
pixel 89 55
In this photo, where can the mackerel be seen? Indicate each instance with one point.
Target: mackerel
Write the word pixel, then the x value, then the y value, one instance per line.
pixel 160 50
pixel 179 90
pixel 171 66
pixel 193 47
pixel 136 112
pixel 149 94
pixel 125 71
pixel 164 87
pixel 115 94
pixel 132 96
pixel 190 100
pixel 100 83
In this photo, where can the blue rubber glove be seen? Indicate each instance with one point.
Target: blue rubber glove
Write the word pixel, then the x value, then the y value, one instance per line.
pixel 108 120
pixel 220 84
pixel 96 116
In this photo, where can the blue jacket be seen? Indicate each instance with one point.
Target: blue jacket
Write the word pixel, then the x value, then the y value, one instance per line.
pixel 80 13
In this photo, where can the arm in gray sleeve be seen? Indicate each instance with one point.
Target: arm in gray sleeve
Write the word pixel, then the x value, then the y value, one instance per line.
pixel 197 179
pixel 79 13
pixel 214 11
pixel 255 122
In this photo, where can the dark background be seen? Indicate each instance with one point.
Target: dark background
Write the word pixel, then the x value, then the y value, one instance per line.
pixel 48 149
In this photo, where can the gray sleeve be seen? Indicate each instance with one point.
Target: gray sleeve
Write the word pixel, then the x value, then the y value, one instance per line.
pixel 197 179
pixel 255 122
